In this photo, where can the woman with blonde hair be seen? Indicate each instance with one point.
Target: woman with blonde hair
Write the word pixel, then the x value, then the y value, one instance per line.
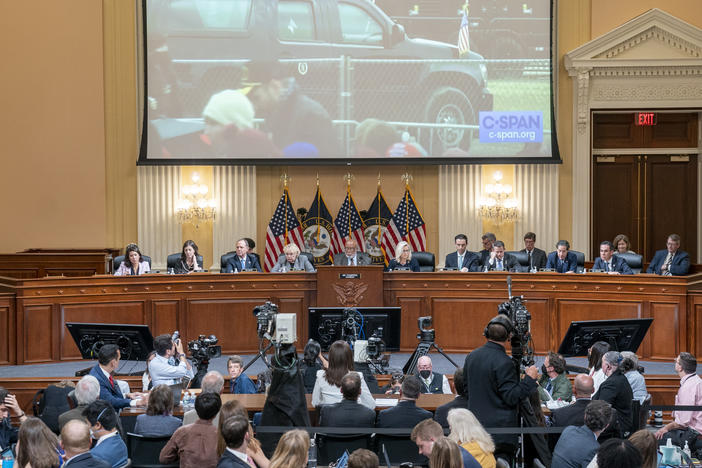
pixel 445 454
pixel 646 442
pixel 467 431
pixel 291 451
pixel 291 260
pixel 403 258
pixel 237 408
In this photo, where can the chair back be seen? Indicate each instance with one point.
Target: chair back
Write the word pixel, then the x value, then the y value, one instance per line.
pixel 425 259
pixel 401 449
pixel 310 257
pixel 120 258
pixel 144 451
pixel 173 259
pixel 635 261
pixel 331 446
pixel 224 259
pixel 522 258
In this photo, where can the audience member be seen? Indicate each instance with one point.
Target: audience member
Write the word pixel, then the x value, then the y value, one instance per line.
pixel 395 385
pixel 238 381
pixel 427 432
pixel 188 259
pixel 488 238
pixel 461 400
pixel 646 443
pixel 403 258
pixel 594 363
pixel 292 450
pixel 630 368
pixel 432 382
pixel 195 445
pixel 75 441
pixel 37 446
pixel 8 405
pixel 146 383
pixel 562 260
pixel 243 260
pixel 536 257
pixel 161 369
pixel 618 453
pixel 291 260
pixel 158 420
pixel 578 444
pixel 616 391
pixel 445 454
pixel 499 260
pixel 348 412
pixel 87 391
pixel 553 383
pixel 133 263
pixel 622 245
pixel 235 432
pixel 462 259
pixel 108 361
pixel 328 385
pixel 572 415
pixel 363 458
pixel 406 413
pixel 236 408
pixel 103 426
pixel 467 431
pixel 212 382
pixel 312 361
pixel 670 261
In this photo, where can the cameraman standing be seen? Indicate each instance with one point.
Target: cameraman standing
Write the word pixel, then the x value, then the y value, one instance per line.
pixel 494 385
pixel 162 371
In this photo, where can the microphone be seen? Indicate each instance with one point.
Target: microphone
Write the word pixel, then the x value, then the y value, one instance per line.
pixel 509 286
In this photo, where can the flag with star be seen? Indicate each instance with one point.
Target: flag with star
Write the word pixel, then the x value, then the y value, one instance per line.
pixel 406 224
pixel 376 220
pixel 283 229
pixel 317 229
pixel 464 33
pixel 348 225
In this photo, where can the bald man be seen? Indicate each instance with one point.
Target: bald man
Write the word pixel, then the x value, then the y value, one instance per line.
pixel 573 415
pixel 432 382
pixel 351 256
pixel 75 441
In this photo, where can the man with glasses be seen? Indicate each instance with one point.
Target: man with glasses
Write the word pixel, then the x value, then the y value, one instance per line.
pixel 351 256
pixel 671 261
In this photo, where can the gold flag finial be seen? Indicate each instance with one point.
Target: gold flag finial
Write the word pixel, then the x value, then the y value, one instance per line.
pixel 285 179
pixel 348 177
pixel 406 178
pixel 378 179
pixel 317 179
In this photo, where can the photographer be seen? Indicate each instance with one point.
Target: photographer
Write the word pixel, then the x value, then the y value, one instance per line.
pixel 163 372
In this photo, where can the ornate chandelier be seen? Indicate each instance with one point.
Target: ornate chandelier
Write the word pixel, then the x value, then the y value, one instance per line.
pixel 497 205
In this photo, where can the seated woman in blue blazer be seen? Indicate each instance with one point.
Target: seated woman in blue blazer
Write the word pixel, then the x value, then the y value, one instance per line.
pixel 403 258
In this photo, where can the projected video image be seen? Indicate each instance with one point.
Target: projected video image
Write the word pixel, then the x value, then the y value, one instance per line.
pixel 286 81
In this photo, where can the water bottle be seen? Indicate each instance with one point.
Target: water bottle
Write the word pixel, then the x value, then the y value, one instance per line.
pixel 686 450
pixel 311 456
pixel 7 461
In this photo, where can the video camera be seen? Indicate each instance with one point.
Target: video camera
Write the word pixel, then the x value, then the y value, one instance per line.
pixel 376 345
pixel 522 345
pixel 426 333
pixel 204 348
pixel 274 326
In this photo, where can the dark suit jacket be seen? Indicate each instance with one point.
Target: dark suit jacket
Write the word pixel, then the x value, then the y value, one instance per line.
pixel 229 460
pixel 484 256
pixel 346 413
pixel 234 264
pixel 495 389
pixel 618 264
pixel 405 414
pixel 570 263
pixel 393 265
pixel 571 415
pixel 576 448
pixel 112 395
pixel 678 267
pixel 538 258
pixel 509 263
pixel 441 412
pixel 362 258
pixel 617 392
pixel 470 261
pixel 86 460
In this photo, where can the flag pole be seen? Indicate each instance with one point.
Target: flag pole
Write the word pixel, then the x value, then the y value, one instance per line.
pixel 285 179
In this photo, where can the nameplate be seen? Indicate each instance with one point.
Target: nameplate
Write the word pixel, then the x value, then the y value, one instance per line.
pixel 349 276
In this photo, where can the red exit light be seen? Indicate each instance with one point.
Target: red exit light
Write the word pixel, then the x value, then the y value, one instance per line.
pixel 645 118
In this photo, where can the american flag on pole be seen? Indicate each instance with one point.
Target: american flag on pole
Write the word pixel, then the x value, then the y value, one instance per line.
pixel 464 34
pixel 406 224
pixel 348 225
pixel 283 229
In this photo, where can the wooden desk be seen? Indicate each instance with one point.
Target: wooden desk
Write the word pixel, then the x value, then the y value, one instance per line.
pixel 38 263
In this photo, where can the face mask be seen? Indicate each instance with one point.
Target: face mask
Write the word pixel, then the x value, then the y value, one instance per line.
pixel 93 435
pixel 543 369
pixel 425 373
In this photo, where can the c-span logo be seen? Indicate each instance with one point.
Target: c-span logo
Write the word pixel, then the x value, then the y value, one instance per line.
pixel 512 127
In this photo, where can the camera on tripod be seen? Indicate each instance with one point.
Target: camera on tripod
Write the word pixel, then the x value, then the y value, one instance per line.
pixel 522 345
pixel 426 333
pixel 204 348
pixel 376 345
pixel 274 326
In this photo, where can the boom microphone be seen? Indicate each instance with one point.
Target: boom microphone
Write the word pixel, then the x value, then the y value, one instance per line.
pixel 509 287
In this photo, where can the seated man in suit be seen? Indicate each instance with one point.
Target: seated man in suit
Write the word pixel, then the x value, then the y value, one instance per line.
pixel 616 391
pixel 108 361
pixel 578 444
pixel 610 263
pixel 235 432
pixel 574 414
pixel 488 238
pixel 243 260
pixel 671 261
pixel 103 423
pixel 406 413
pixel 75 442
pixel 462 259
pixel 561 260
pixel 87 391
pixel 238 381
pixel 292 261
pixel 499 260
pixel 554 384
pixel 537 257
pixel 348 412
pixel 432 382
pixel 461 400
pixel 351 256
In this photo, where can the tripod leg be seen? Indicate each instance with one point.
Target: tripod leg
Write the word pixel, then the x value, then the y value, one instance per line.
pixel 441 351
pixel 421 350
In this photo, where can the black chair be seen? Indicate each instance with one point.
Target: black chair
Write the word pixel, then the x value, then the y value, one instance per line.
pixel 331 446
pixel 522 258
pixel 581 260
pixel 425 259
pixel 635 261
pixel 639 413
pixel 144 451
pixel 120 258
pixel 400 449
pixel 174 259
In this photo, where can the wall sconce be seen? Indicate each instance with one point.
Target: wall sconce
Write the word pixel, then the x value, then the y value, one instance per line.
pixel 495 205
pixel 194 207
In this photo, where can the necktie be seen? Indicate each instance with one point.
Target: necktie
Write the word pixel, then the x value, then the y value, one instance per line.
pixel 250 461
pixel 499 265
pixel 460 262
pixel 530 264
pixel 243 263
pixel 353 261
pixel 549 387
pixel 668 261
pixel 607 267
pixel 112 382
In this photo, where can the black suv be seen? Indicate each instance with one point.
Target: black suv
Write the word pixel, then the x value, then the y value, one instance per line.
pixel 346 54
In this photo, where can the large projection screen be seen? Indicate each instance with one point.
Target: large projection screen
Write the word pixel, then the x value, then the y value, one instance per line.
pixel 348 81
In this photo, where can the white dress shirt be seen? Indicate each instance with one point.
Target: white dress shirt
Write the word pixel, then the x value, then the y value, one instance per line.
pixel 325 393
pixel 164 373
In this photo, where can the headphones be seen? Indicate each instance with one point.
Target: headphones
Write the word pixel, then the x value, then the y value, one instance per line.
pixel 499 319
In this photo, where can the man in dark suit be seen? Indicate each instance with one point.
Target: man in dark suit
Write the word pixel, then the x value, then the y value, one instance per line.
pixel 461 400
pixel 578 444
pixel 75 441
pixel 488 238
pixel 494 385
pixel 243 260
pixel 670 261
pixel 574 414
pixel 405 413
pixel 610 263
pixel 108 361
pixel 499 260
pixel 562 260
pixel 235 432
pixel 536 257
pixel 351 256
pixel 617 392
pixel 348 412
pixel 462 259
pixel 103 423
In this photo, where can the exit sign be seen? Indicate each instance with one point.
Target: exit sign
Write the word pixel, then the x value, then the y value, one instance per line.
pixel 645 118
